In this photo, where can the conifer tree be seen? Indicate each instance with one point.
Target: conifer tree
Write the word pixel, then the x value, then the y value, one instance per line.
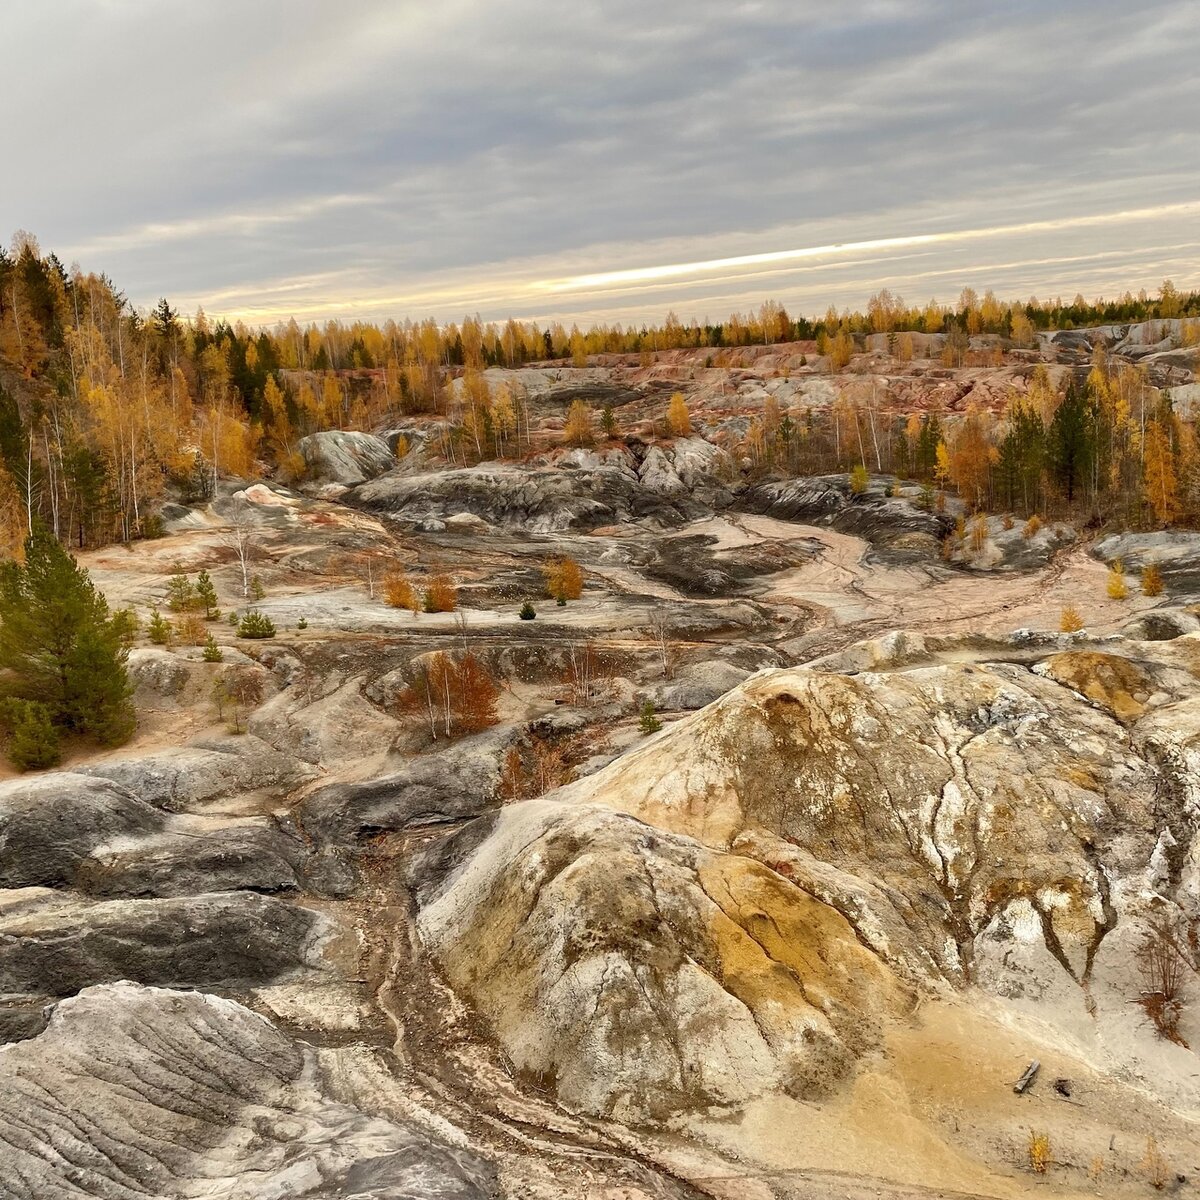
pixel 63 648
pixel 206 594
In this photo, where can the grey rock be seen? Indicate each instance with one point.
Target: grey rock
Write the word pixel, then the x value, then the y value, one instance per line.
pixel 180 777
pixel 235 939
pixel 50 824
pixel 133 1092
pixel 346 456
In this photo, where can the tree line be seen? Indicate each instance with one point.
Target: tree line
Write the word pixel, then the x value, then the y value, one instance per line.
pixel 103 408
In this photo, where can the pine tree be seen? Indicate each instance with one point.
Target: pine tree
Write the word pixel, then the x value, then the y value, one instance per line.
pixel 159 630
pixel 528 612
pixel 648 723
pixel 33 743
pixel 256 625
pixel 212 652
pixel 61 645
pixel 181 596
pixel 206 594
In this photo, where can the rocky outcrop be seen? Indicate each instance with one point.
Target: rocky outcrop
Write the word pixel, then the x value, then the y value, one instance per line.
pixel 232 940
pixel 345 456
pixel 826 500
pixel 696 923
pixel 181 777
pixel 49 825
pixel 576 490
pixel 135 1091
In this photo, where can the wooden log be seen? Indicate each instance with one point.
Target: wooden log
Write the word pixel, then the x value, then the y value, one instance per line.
pixel 1025 1082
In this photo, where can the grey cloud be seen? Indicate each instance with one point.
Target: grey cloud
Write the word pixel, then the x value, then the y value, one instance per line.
pixel 469 138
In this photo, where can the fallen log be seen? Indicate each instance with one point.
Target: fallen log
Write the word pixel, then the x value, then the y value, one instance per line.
pixel 1025 1082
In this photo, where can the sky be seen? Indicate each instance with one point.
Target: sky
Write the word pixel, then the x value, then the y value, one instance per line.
pixel 602 161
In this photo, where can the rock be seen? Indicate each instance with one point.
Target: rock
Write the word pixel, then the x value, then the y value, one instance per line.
pixel 826 500
pixel 700 684
pixel 230 940
pixel 581 490
pixel 450 783
pixel 256 857
pixel 134 1091
pixel 556 932
pixel 182 777
pixel 345 456
pixel 920 828
pixel 50 824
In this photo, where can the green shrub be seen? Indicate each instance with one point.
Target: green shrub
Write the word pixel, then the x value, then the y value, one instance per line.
pixel 648 723
pixel 528 612
pixel 33 744
pixel 212 652
pixel 126 625
pixel 160 630
pixel 257 591
pixel 256 625
pixel 302 623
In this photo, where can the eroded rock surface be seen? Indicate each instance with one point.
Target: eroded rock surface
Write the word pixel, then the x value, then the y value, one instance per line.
pixel 137 1091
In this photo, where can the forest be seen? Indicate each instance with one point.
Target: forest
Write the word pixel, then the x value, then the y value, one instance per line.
pixel 106 410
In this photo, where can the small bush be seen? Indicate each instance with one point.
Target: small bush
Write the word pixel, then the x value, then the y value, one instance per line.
pixel 398 590
pixel 648 723
pixel 1031 527
pixel 1161 960
pixel 233 620
pixel 441 595
pixel 302 623
pixel 256 625
pixel 126 625
pixel 212 652
pixel 528 612
pixel 1116 587
pixel 159 630
pixel 1155 1166
pixel 859 479
pixel 191 629
pixel 1070 621
pixel 33 744
pixel 561 601
pixel 257 591
pixel 1152 580
pixel 1039 1152
pixel 1008 522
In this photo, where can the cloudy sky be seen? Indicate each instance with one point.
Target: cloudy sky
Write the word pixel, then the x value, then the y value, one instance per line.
pixel 586 160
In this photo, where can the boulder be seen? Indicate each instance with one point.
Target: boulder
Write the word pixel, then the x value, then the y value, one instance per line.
pixel 345 456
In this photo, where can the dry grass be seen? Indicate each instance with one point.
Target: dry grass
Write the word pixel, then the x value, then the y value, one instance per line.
pixel 1161 960
pixel 1155 1166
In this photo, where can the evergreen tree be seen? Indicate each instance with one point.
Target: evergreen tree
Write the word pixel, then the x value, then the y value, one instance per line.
pixel 181 595
pixel 63 648
pixel 648 723
pixel 206 594
pixel 1070 442
pixel 33 743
